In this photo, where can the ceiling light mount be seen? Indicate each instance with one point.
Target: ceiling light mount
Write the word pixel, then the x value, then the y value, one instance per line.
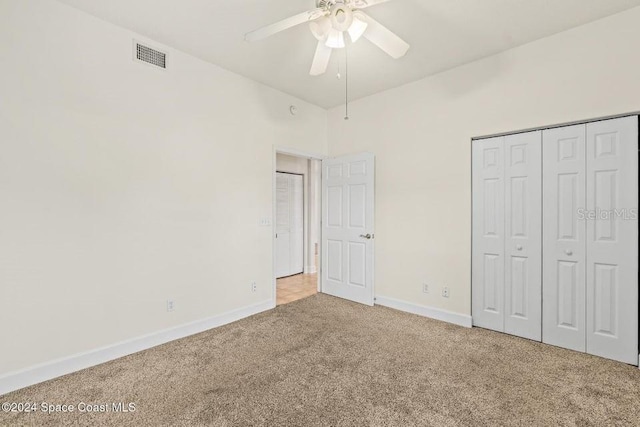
pixel 341 17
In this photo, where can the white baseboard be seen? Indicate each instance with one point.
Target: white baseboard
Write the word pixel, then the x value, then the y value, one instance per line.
pixel 421 310
pixel 49 370
pixel 310 269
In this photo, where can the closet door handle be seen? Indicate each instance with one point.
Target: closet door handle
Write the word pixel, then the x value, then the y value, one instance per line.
pixel 568 252
pixel 519 247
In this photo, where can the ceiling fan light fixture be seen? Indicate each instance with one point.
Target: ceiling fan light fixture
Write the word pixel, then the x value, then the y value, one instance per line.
pixel 357 29
pixel 320 28
pixel 335 39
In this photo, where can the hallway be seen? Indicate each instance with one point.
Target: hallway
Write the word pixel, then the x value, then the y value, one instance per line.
pixel 293 288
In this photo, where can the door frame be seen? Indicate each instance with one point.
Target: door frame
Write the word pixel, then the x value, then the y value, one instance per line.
pixel 278 149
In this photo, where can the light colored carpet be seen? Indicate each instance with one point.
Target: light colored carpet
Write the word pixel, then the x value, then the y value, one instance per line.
pixel 325 361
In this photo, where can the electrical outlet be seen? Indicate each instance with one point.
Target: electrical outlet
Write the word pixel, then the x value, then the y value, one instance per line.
pixel 170 305
pixel 425 288
pixel 445 292
pixel 254 287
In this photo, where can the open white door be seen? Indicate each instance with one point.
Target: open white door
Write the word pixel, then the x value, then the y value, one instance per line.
pixel 348 227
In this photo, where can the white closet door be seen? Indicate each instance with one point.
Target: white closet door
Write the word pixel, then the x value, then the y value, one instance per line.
pixel 283 261
pixel 523 235
pixel 289 224
pixel 488 234
pixel 296 231
pixel 564 237
pixel 612 239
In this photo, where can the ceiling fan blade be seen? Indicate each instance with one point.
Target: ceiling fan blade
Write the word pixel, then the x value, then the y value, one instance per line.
pixel 362 4
pixel 285 24
pixel 382 37
pixel 321 59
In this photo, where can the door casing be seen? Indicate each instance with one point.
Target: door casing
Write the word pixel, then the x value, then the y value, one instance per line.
pixel 277 149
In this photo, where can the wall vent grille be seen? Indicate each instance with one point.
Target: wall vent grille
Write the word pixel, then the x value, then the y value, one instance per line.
pixel 150 56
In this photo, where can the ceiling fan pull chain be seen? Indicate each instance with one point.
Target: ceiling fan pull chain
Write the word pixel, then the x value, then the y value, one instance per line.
pixel 346 84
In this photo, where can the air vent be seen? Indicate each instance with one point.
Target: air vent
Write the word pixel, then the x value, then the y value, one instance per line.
pixel 150 56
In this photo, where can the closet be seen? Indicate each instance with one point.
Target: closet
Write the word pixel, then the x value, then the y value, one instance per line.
pixel 289 225
pixel 555 236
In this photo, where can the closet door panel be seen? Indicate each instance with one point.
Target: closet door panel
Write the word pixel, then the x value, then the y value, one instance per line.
pixel 564 235
pixel 289 224
pixel 488 234
pixel 523 235
pixel 612 239
pixel 283 225
pixel 296 215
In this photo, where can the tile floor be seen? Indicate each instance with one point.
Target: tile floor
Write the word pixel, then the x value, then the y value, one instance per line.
pixel 293 288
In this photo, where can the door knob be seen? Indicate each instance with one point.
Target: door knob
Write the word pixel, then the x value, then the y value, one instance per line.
pixel 519 247
pixel 568 252
pixel 366 236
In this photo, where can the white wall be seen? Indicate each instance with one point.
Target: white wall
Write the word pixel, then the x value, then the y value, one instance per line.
pixel 421 136
pixel 122 185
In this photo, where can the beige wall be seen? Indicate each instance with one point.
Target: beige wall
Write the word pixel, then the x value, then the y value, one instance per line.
pixel 122 186
pixel 421 136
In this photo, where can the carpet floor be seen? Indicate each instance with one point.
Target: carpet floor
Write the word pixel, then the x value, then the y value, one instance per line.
pixel 322 361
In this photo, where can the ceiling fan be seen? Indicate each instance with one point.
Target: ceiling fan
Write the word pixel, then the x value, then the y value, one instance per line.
pixel 329 22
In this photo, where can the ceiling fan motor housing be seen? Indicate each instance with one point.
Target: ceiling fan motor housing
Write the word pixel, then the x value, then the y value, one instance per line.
pixel 338 19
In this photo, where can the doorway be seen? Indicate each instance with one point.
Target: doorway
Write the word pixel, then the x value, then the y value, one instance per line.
pixel 297 195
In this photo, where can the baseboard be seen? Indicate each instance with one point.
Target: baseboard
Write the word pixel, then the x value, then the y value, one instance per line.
pixel 49 370
pixel 310 269
pixel 421 310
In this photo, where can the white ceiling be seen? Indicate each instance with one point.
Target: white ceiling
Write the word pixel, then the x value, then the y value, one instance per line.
pixel 443 34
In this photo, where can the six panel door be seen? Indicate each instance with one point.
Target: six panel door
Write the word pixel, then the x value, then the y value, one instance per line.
pixel 612 239
pixel 348 227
